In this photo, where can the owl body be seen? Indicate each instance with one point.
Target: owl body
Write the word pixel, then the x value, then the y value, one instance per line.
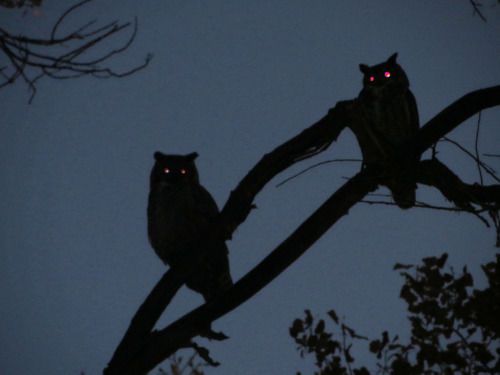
pixel 388 119
pixel 179 208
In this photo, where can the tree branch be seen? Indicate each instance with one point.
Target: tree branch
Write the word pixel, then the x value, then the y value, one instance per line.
pixel 476 5
pixel 310 141
pixel 146 317
pixel 434 173
pixel 456 113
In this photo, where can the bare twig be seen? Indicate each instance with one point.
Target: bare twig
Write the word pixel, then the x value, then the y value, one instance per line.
pixel 476 5
pixel 64 15
pixel 55 61
pixel 488 169
pixel 314 166
pixel 476 149
pixel 418 204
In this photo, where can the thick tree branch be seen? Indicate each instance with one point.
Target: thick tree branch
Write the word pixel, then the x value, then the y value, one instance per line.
pixel 146 317
pixel 309 142
pixel 456 113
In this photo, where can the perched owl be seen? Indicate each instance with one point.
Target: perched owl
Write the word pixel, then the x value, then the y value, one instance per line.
pixel 389 118
pixel 178 209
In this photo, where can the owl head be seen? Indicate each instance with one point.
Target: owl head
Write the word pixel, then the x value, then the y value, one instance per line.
pixel 386 76
pixel 174 169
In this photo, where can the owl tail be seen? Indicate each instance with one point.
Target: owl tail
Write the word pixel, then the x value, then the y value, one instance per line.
pixel 220 285
pixel 403 194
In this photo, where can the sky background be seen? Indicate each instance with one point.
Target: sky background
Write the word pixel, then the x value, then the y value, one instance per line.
pixel 231 80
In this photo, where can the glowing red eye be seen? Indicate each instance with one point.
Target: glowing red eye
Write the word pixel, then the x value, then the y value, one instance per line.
pixel 372 78
pixel 183 171
pixel 387 74
pixel 166 170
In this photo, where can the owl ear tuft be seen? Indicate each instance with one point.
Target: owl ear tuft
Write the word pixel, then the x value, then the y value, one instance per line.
pixel 158 155
pixel 192 156
pixel 392 59
pixel 364 68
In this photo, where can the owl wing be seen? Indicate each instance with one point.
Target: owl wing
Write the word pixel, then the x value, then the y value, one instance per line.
pixel 204 203
pixel 214 276
pixel 403 186
pixel 413 111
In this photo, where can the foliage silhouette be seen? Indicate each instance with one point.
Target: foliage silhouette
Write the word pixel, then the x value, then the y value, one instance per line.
pixel 454 328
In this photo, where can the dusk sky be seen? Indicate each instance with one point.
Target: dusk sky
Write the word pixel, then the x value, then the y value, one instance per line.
pixel 230 80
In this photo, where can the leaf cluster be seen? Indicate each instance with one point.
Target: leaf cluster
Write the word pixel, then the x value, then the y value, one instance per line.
pixel 331 350
pixel 184 366
pixel 454 328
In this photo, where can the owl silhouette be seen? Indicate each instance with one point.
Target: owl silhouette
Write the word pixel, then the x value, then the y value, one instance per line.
pixel 389 118
pixel 179 208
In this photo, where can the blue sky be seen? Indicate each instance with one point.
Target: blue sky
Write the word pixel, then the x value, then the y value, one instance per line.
pixel 231 80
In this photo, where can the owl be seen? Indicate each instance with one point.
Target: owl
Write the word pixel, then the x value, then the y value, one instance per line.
pixel 388 119
pixel 179 208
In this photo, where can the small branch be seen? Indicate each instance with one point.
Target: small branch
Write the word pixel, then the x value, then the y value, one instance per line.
pixel 314 166
pixel 417 205
pixel 64 15
pixel 489 170
pixel 476 149
pixel 28 63
pixel 345 348
pixel 476 5
pixel 434 173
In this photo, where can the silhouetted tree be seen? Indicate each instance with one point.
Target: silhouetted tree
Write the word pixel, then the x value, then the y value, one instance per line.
pixel 454 328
